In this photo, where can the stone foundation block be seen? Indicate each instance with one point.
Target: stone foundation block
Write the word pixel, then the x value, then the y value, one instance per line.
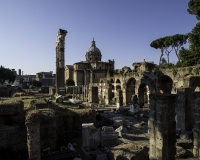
pixel 11 108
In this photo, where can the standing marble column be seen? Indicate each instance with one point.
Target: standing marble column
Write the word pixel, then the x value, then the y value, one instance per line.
pixel 60 62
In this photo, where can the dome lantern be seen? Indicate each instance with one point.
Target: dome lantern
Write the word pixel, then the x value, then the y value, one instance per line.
pixel 93 53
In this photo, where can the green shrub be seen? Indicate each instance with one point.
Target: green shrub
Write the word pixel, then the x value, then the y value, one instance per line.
pixel 174 71
pixel 69 82
pixel 196 70
pixel 183 69
pixel 189 70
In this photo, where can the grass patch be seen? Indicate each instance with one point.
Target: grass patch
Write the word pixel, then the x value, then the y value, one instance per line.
pixel 65 106
pixel 70 107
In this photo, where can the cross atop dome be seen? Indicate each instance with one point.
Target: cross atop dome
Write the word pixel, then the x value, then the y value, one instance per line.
pixel 93 43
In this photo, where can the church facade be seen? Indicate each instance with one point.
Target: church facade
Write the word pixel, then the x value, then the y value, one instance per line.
pixel 91 70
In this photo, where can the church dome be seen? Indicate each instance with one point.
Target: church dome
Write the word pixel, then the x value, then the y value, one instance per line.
pixel 93 47
pixel 93 53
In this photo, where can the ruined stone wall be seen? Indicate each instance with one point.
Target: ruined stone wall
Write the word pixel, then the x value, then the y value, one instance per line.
pixel 196 128
pixel 130 151
pixel 41 131
pixel 108 136
pixel 5 92
pixel 181 72
pixel 53 127
pixel 12 131
pixel 182 109
pixel 162 126
pixel 38 104
pixel 78 119
pixel 45 89
pixel 44 128
pixel 93 95
pixel 33 135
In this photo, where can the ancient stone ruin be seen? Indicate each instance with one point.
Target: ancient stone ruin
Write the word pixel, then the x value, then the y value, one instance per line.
pixel 141 113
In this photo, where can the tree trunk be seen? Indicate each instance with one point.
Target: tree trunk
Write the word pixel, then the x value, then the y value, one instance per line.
pixel 162 50
pixel 177 55
pixel 168 58
pixel 176 51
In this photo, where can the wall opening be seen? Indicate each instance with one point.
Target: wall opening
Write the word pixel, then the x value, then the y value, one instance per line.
pixel 143 95
pixel 130 89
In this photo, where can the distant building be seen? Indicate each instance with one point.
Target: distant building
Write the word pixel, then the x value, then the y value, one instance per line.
pixel 41 75
pixel 47 78
pixel 28 78
pixel 69 69
pixel 90 70
pixel 143 66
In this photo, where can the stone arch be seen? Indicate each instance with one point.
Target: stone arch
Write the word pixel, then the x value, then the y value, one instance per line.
pixel 143 94
pixel 112 81
pixel 165 84
pixel 101 81
pixel 187 102
pixel 117 87
pixel 118 81
pixel 193 108
pixel 111 91
pixel 130 89
pixel 194 96
pixel 194 84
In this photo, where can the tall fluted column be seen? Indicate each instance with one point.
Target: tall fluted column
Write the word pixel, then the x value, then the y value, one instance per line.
pixel 60 62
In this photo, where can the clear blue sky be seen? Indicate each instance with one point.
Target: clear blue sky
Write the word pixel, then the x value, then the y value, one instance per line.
pixel 122 29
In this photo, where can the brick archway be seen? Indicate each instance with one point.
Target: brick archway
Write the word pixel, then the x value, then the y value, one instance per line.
pixel 165 84
pixel 130 89
pixel 143 94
